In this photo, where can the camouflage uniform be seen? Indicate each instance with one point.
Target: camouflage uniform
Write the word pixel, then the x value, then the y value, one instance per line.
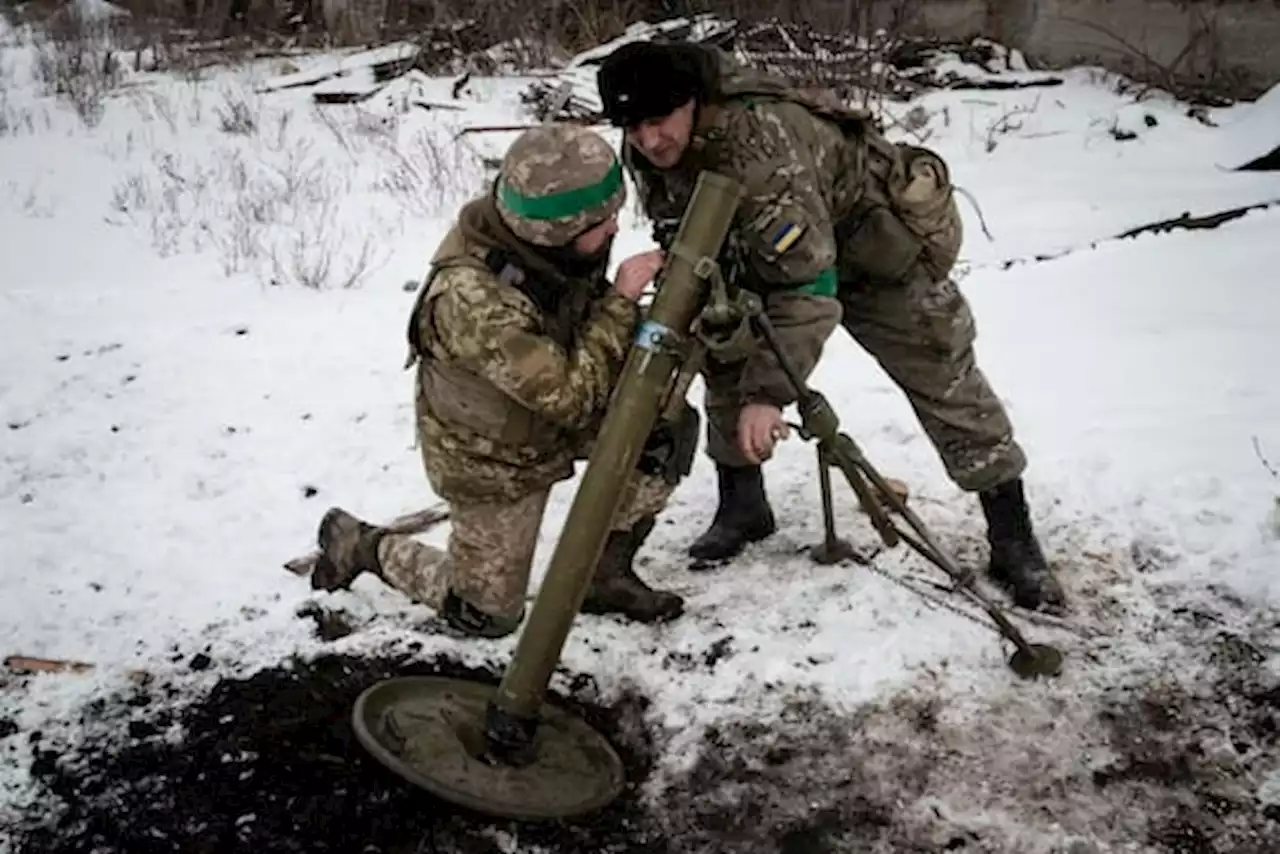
pixel 838 225
pixel 517 342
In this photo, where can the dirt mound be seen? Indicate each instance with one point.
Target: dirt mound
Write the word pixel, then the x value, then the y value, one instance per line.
pixel 270 763
pixel 1169 759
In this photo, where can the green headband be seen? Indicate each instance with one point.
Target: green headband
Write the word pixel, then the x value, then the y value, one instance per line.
pixel 563 204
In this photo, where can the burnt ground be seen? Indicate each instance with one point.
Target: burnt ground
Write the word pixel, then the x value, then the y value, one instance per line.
pixel 1170 760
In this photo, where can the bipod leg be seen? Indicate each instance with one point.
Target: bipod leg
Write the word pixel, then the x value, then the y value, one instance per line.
pixel 832 549
pixel 820 421
pixel 1030 660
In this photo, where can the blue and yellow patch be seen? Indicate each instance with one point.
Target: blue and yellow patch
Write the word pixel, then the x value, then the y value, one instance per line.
pixel 785 236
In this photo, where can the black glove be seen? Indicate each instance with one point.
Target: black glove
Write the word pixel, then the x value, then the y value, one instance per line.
pixel 670 448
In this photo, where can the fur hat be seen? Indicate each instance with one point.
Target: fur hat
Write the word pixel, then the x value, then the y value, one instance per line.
pixel 647 80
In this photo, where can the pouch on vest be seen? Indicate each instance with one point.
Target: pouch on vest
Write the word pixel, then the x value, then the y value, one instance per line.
pixel 459 398
pixel 924 198
pixel 907 224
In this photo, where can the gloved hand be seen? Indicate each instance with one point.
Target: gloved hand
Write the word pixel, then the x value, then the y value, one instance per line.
pixel 670 448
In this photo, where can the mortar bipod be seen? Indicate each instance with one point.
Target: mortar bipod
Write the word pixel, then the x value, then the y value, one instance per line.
pixel 819 421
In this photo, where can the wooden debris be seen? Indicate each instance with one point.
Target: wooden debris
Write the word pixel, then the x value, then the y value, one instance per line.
pixel 515 128
pixel 1187 222
pixel 26 664
pixel 410 523
pixel 380 64
pixel 1195 223
pixel 348 88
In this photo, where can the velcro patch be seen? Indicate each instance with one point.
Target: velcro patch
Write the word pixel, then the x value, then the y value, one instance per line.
pixel 785 236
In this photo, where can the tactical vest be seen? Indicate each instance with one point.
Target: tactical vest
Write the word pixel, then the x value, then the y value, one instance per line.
pixel 457 397
pixel 907 212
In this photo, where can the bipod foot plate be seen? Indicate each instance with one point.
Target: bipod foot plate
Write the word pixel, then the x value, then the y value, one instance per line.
pixel 1036 660
pixel 834 550
pixel 430 731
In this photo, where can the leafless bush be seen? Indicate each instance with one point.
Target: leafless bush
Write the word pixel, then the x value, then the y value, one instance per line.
pixel 1199 73
pixel 75 60
pixel 1009 122
pixel 235 116
pixel 428 173
pixel 268 204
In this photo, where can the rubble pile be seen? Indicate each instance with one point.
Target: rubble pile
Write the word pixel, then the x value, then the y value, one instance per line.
pixel 856 68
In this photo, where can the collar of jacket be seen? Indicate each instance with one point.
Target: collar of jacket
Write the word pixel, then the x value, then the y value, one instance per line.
pixel 481 226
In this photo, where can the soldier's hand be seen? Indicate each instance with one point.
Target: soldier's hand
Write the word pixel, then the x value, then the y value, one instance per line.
pixel 760 426
pixel 636 272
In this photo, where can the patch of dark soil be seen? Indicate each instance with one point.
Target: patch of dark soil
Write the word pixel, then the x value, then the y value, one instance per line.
pixel 271 764
pixel 331 625
pixel 1198 749
pixel 810 782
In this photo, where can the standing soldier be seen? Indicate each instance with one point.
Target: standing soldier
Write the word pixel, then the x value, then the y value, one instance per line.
pixel 519 339
pixel 838 225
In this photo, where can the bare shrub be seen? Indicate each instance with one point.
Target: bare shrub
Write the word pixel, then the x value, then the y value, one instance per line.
pixel 269 205
pixel 235 116
pixel 428 173
pixel 1200 72
pixel 75 60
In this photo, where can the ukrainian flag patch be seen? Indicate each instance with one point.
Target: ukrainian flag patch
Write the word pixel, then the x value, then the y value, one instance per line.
pixel 785 236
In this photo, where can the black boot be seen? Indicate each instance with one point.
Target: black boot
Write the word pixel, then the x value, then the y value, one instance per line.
pixel 744 515
pixel 466 618
pixel 348 547
pixel 1017 562
pixel 615 588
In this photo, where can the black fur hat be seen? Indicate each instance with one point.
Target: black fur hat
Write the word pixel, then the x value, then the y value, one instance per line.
pixel 647 80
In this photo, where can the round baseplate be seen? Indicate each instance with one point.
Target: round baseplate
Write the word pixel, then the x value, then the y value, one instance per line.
pixel 430 731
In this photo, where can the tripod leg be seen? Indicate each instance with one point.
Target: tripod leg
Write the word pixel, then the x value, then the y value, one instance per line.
pixel 832 549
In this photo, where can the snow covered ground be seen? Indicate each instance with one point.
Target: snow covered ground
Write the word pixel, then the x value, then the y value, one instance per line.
pixel 202 310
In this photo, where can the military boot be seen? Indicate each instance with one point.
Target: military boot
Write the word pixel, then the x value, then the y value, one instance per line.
pixel 615 588
pixel 466 618
pixel 348 547
pixel 1017 562
pixel 744 515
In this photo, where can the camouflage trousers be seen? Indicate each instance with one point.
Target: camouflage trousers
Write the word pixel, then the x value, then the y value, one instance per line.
pixel 922 333
pixel 491 548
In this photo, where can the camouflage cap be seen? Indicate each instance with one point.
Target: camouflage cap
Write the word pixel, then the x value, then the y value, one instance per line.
pixel 558 181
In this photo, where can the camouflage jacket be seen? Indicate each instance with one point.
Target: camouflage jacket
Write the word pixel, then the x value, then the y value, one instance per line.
pixel 827 203
pixel 515 362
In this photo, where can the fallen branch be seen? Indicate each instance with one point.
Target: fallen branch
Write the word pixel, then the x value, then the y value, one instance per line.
pixel 1194 223
pixel 1266 464
pixel 1186 221
pixel 509 128
pixel 29 664
pixel 408 524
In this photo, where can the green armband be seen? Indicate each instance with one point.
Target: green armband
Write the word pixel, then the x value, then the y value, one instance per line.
pixel 823 286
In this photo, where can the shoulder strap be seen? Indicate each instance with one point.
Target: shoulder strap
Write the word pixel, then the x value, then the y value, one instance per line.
pixel 417 349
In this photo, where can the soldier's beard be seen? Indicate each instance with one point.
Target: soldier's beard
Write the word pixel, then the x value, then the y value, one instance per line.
pixel 576 264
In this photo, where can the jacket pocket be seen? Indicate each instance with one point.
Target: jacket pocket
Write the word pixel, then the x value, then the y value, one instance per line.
pixel 877 247
pixel 461 399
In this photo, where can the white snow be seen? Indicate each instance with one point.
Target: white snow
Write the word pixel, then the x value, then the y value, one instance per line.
pixel 171 389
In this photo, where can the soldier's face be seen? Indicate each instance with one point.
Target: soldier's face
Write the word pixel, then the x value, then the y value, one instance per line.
pixel 594 241
pixel 663 140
